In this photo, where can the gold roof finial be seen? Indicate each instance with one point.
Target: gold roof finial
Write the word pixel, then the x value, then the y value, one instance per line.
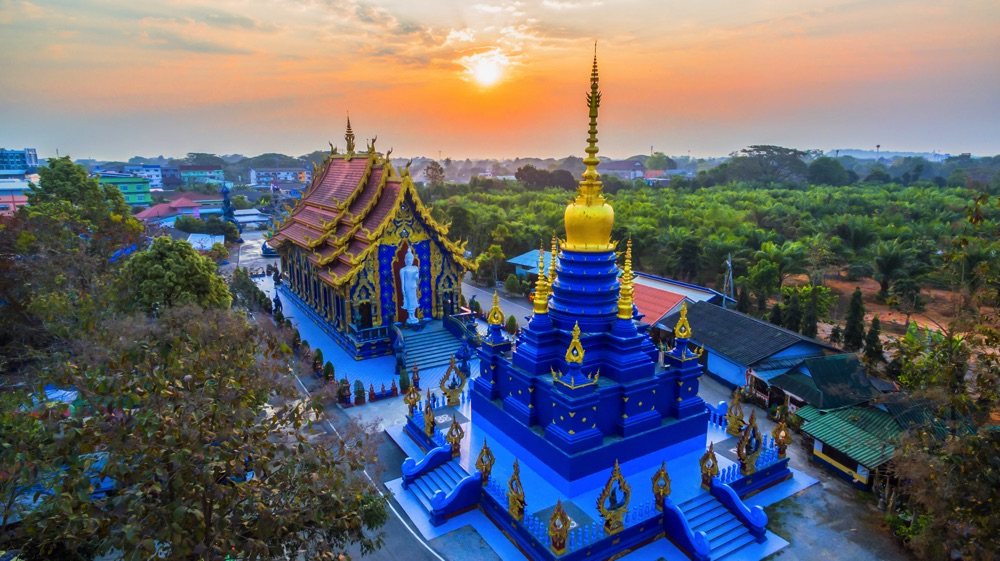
pixel 495 316
pixel 541 300
pixel 552 262
pixel 575 351
pixel 349 137
pixel 683 328
pixel 625 297
pixel 589 218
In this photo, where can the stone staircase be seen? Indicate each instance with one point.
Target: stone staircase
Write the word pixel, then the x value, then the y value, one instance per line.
pixel 726 534
pixel 434 346
pixel 444 478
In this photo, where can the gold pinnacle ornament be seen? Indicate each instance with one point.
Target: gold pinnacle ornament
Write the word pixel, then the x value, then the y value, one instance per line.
pixel 625 295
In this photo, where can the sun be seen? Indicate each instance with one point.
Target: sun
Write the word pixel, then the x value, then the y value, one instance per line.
pixel 486 68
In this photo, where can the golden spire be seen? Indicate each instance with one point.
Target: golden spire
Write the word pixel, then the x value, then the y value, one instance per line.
pixel 627 290
pixel 589 218
pixel 683 328
pixel 552 262
pixel 575 351
pixel 542 286
pixel 349 137
pixel 495 316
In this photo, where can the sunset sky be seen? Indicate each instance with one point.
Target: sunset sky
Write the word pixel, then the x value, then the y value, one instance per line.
pixel 110 79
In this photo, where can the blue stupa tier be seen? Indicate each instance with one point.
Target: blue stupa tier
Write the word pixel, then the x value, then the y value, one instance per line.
pixel 619 403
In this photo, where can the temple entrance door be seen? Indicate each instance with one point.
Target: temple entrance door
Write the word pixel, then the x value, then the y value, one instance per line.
pixel 365 312
pixel 398 263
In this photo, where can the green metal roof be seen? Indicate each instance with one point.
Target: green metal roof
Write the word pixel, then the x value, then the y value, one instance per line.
pixel 808 413
pixel 833 382
pixel 867 435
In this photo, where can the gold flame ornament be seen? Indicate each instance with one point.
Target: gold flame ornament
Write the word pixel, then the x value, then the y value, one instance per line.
pixel 589 218
pixel 515 494
pixel 575 351
pixel 734 415
pixel 454 437
pixel 429 422
pixel 610 506
pixel 559 524
pixel 495 316
pixel 349 137
pixel 661 486
pixel 749 447
pixel 683 329
pixel 782 438
pixel 453 383
pixel 709 467
pixel 412 398
pixel 485 461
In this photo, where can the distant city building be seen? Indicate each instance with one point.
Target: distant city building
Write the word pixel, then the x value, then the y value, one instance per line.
pixel 17 164
pixel 171 177
pixel 135 189
pixel 152 172
pixel 13 195
pixel 624 169
pixel 195 175
pixel 266 176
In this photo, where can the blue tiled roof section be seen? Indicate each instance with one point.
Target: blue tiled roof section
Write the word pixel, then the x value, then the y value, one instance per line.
pixel 529 260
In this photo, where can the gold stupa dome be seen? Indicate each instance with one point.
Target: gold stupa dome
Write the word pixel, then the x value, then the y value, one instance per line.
pixel 589 217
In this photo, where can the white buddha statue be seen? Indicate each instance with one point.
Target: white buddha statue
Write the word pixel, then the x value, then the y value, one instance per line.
pixel 409 276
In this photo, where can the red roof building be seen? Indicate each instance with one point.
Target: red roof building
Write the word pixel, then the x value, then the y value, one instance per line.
pixel 345 241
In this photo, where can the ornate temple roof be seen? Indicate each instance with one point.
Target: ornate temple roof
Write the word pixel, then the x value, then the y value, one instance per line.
pixel 352 198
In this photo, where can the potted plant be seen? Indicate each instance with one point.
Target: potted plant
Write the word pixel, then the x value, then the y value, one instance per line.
pixel 344 389
pixel 317 363
pixel 328 372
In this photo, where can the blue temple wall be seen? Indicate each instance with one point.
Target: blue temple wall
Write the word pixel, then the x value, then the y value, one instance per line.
pixel 721 367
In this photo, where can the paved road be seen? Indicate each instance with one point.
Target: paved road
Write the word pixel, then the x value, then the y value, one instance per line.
pixel 518 307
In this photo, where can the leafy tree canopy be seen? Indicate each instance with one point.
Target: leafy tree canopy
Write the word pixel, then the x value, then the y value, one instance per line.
pixel 171 273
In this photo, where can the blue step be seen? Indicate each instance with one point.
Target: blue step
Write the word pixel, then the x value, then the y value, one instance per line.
pixel 732 547
pixel 702 519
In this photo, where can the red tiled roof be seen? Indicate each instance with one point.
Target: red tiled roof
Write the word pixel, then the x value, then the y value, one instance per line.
pixel 340 180
pixel 654 302
pixel 157 211
pixel 183 203
pixel 367 194
pixel 385 205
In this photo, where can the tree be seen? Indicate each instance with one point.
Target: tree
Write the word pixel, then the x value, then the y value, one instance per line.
pixel 768 163
pixel 854 328
pixel 873 352
pixel 329 372
pixel 660 161
pixel 434 173
pixel 836 335
pixel 827 171
pixel 743 300
pixel 208 446
pixel 793 313
pixel 512 285
pixel 24 435
pixel 171 273
pixel 248 296
pixel 878 175
pixel 492 257
pixel 891 262
pixel 511 326
pixel 763 280
pixel 789 258
pixel 775 315
pixel 810 318
pixel 218 253
pixel 240 202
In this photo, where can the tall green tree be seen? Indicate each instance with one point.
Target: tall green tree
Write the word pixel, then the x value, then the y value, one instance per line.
pixel 810 318
pixel 743 301
pixel 892 263
pixel 775 316
pixel 827 171
pixel 854 327
pixel 873 351
pixel 209 447
pixel 793 313
pixel 789 258
pixel 660 161
pixel 763 280
pixel 171 273
pixel 434 173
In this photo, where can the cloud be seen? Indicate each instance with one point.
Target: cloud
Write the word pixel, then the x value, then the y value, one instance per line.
pixel 170 41
pixel 563 5
pixel 509 8
pixel 460 36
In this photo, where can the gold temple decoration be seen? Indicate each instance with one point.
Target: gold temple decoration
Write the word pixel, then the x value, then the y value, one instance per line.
pixel 412 398
pixel 541 300
pixel 454 437
pixel 589 218
pixel 495 316
pixel 453 383
pixel 625 296
pixel 429 417
pixel 559 524
pixel 661 486
pixel 734 415
pixel 614 511
pixel 709 466
pixel 591 379
pixel 575 351
pixel 683 329
pixel 749 447
pixel 782 438
pixel 485 461
pixel 515 494
pixel 349 137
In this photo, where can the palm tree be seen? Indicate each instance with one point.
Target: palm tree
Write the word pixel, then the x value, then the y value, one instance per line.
pixel 892 263
pixel 789 258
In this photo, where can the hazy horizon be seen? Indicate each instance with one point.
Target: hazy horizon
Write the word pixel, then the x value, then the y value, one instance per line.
pixel 109 79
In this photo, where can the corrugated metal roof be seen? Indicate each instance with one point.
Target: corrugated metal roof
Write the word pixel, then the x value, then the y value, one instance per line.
pixel 833 382
pixel 808 413
pixel 867 435
pixel 529 260
pixel 767 369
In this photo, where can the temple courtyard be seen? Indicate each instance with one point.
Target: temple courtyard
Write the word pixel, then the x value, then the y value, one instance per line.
pixel 825 520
